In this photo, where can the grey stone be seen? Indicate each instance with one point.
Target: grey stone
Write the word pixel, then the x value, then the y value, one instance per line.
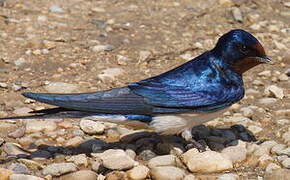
pixel 58 169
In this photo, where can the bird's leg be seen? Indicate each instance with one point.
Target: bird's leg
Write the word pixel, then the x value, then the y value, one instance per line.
pixel 187 135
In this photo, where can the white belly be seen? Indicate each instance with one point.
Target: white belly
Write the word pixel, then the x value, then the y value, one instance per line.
pixel 174 124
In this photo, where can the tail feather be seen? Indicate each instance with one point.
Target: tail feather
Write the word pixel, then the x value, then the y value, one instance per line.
pixel 114 101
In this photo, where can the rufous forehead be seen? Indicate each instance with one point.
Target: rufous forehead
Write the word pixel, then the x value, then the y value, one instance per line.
pixel 259 49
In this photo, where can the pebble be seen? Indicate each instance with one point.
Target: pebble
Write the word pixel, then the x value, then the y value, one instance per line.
pixel 264 148
pixel 165 160
pixel 33 126
pixel 235 153
pixel 271 167
pixel 116 159
pixel 75 141
pixel 31 164
pixel 247 112
pixel 274 91
pixel 56 9
pixel 80 175
pixel 267 101
pixel 276 149
pixel 286 137
pixel 13 149
pixel 237 14
pixel 57 169
pixel 146 155
pixel 99 48
pixel 229 176
pixel 96 165
pixel 92 127
pixel 226 2
pixel 282 77
pixel 79 160
pixel 116 175
pixel 19 62
pixel 144 55
pixel 264 160
pixel 266 73
pixel 24 177
pixel 190 177
pixel 5 173
pixel 255 129
pixel 3 85
pixel 278 174
pixel 138 173
pixel 110 73
pixel 61 87
pixel 206 162
pixel 167 173
pixel 18 168
pixel 286 163
pixel 17 133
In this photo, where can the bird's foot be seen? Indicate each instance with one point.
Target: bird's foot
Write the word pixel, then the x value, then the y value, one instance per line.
pixel 201 146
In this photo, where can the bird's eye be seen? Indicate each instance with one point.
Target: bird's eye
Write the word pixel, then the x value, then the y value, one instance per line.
pixel 244 49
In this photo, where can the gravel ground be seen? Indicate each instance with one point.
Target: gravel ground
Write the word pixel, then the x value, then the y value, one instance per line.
pixel 82 46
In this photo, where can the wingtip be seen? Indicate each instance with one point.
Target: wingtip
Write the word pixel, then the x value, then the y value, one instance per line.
pixel 27 94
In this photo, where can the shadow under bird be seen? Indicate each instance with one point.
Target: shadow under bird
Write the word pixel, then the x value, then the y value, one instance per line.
pixel 177 100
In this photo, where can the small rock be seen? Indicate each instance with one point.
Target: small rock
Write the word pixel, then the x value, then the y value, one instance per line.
pixel 146 155
pixel 116 175
pixel 23 177
pixel 58 169
pixel 116 159
pixel 75 141
pixel 31 164
pixel 144 55
pixel 286 137
pixel 3 85
pixel 61 87
pixel 267 101
pixel 282 77
pixel 286 4
pixel 13 149
pixel 18 168
pixel 226 2
pixel 167 173
pixel 235 153
pixel 56 9
pixel 5 173
pixel 266 73
pixel 92 127
pixel 229 176
pixel 237 14
pixel 264 160
pixel 98 10
pixel 17 133
pixel 247 112
pixel 274 91
pixel 19 62
pixel 264 148
pixel 277 149
pixel 255 129
pixel 271 167
pixel 110 73
pixel 190 177
pixel 96 165
pixel 80 159
pixel 285 152
pixel 138 173
pixel 80 175
pixel 22 111
pixel 286 163
pixel 165 160
pixel 278 174
pixel 99 48
pixel 33 126
pixel 208 161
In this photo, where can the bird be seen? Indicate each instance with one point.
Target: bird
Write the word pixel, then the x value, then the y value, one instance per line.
pixel 179 99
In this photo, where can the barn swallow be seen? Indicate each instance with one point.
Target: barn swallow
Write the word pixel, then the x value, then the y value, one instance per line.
pixel 179 99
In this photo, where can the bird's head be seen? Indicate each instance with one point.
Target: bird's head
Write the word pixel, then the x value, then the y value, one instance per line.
pixel 240 50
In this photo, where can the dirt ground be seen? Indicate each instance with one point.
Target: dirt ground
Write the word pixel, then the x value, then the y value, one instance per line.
pixel 100 44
